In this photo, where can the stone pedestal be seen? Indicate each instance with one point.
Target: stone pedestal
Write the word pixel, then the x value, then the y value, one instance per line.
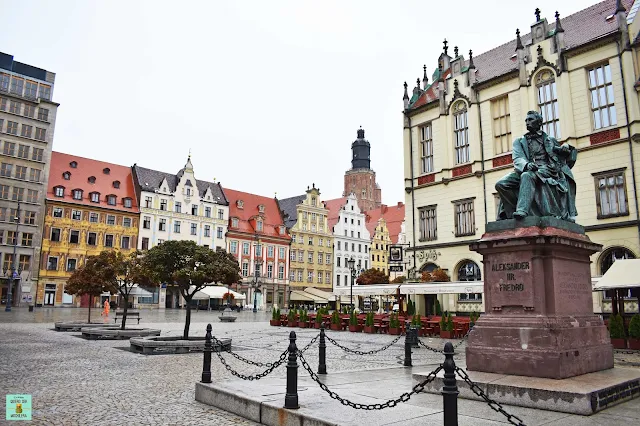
pixel 538 317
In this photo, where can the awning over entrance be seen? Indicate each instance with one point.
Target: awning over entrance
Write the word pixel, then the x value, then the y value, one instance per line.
pixel 218 291
pixel 319 294
pixel 301 296
pixel 624 273
pixel 200 296
pixel 455 287
pixel 368 290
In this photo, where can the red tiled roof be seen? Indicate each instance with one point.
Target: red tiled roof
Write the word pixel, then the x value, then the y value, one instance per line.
pixel 393 215
pixel 271 215
pixel 429 94
pixel 79 179
pixel 334 207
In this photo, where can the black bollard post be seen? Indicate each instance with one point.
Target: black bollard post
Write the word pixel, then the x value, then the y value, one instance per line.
pixel 450 388
pixel 291 397
pixel 414 337
pixel 407 347
pixel 206 365
pixel 322 356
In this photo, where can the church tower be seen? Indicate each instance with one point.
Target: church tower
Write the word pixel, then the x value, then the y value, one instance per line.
pixel 360 179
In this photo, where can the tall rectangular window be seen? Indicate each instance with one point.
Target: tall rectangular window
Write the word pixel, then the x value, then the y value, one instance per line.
pixel 611 194
pixel 219 231
pixel 207 231
pixel 501 125
pixel 428 224
pixel 12 127
pixel 461 133
pixel 37 154
pixel 34 175
pixel 32 196
pixel 464 218
pixel 602 104
pixel 43 114
pixel 176 226
pixel 548 103
pixel 194 229
pixel 31 89
pixel 145 243
pixel 426 149
pixel 41 134
pixel 23 151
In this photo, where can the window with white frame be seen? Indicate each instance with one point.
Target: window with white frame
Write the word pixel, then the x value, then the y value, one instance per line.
pixel 280 271
pixel 602 101
pixel 292 255
pixel 310 257
pixel 207 230
pixel 464 218
pixel 426 149
pixel 233 247
pixel 319 277
pixel 301 256
pixel 428 224
pixel 292 275
pixel 281 253
pixel 270 271
pixel 300 275
pixel 461 132
pixel 501 124
pixel 245 269
pixel 270 251
pixel 310 276
pixel 548 103
pixel 328 259
pixel 245 249
pixel 611 194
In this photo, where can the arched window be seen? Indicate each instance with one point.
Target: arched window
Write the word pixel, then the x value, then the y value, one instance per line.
pixel 461 132
pixel 469 271
pixel 548 102
pixel 429 267
pixel 606 260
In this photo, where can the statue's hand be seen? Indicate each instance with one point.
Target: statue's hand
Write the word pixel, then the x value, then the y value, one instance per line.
pixel 564 149
pixel 531 167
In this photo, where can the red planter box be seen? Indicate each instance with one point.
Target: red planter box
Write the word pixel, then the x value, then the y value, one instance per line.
pixel 355 328
pixel 275 323
pixel 302 324
pixel 634 344
pixel 336 327
pixel 369 330
pixel 619 343
pixel 394 331
pixel 293 324
pixel 445 334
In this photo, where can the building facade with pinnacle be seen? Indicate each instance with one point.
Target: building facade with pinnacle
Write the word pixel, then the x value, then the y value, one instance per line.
pixel 581 72
pixel 360 179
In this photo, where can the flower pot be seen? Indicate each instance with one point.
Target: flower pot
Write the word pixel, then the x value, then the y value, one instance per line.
pixel 394 331
pixel 634 343
pixel 302 324
pixel 274 322
pixel 420 332
pixel 445 334
pixel 292 323
pixel 336 327
pixel 317 325
pixel 355 328
pixel 368 329
pixel 619 343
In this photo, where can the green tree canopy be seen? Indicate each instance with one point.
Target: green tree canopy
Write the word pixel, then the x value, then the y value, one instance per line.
pixel 190 268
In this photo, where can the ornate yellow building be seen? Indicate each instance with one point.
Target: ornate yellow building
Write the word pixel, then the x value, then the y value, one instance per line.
pixel 581 72
pixel 385 227
pixel 90 206
pixel 311 253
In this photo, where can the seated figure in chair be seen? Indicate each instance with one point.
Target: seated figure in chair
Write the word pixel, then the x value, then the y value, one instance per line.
pixel 542 183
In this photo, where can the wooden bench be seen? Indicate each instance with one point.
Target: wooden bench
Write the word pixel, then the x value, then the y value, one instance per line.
pixel 130 315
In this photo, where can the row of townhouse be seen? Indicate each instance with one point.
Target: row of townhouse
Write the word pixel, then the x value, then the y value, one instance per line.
pixel 582 73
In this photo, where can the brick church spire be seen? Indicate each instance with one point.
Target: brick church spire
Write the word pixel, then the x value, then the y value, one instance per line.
pixel 360 179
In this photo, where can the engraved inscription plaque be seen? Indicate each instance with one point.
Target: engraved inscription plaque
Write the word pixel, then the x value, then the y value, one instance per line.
pixel 510 278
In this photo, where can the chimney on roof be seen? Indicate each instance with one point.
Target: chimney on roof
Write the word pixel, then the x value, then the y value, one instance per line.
pixel 559 43
pixel 522 60
pixel 400 204
pixel 621 18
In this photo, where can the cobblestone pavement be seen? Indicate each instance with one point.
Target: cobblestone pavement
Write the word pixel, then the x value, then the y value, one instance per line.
pixel 80 382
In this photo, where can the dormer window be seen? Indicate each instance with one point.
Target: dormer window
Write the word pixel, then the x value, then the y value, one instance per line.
pixel 58 191
pixel 73 164
pixel 261 208
pixel 234 222
pixel 77 194
pixel 92 179
pixel 66 175
pixel 127 202
pixel 188 192
pixel 313 201
pixel 106 170
pixel 95 197
pixel 116 184
pixel 282 229
pixel 259 225
pixel 111 200
pixel 240 204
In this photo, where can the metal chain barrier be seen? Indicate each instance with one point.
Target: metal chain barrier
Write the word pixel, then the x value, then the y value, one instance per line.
pixel 278 363
pixel 315 339
pixel 241 358
pixel 495 406
pixel 456 346
pixel 390 403
pixel 353 351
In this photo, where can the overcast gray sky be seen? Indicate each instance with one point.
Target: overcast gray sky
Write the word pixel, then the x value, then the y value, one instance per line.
pixel 267 94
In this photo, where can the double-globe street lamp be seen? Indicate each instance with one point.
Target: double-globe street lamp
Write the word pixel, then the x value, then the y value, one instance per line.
pixel 352 267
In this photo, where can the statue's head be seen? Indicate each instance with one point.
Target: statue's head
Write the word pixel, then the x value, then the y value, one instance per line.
pixel 533 121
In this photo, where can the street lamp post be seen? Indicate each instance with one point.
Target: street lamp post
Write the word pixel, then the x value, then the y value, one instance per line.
pixel 352 263
pixel 255 287
pixel 13 267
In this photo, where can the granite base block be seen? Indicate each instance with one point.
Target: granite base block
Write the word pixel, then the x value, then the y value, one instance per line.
pixel 583 395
